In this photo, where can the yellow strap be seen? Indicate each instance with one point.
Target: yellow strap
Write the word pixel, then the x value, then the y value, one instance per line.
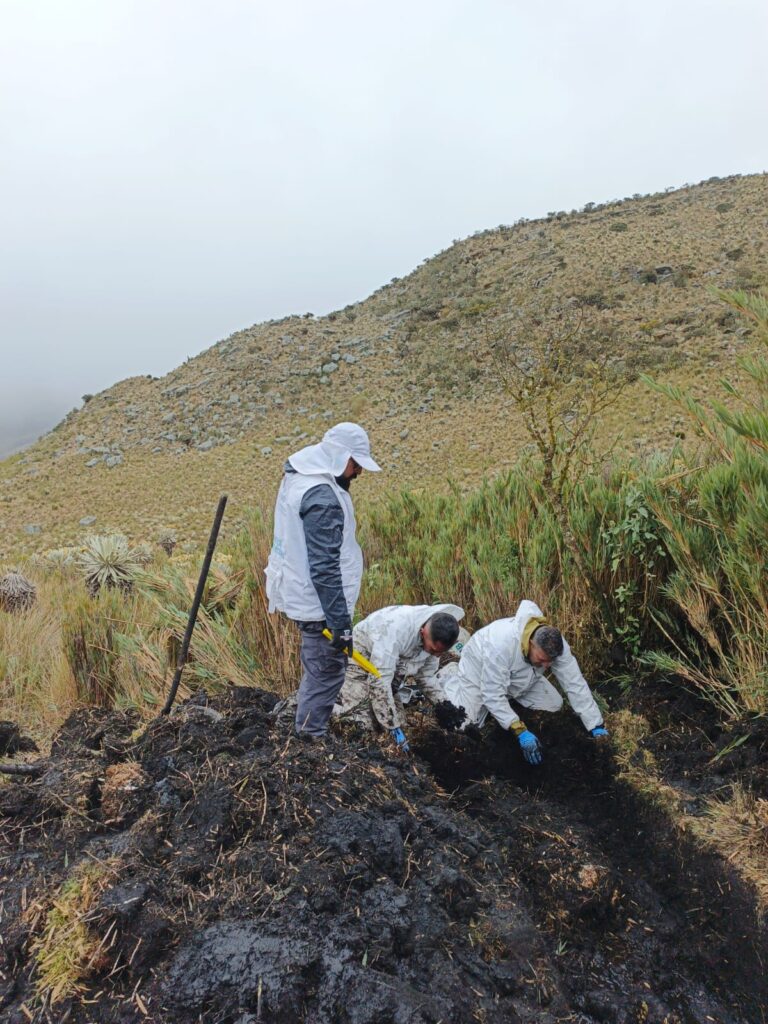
pixel 528 630
pixel 357 658
pixel 517 726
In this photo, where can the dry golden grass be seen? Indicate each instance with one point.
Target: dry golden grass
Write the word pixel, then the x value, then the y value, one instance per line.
pixel 37 688
pixel 738 827
pixel 120 648
pixel 628 730
pixel 113 648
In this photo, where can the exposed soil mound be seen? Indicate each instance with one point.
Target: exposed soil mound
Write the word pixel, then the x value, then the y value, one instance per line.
pixel 213 868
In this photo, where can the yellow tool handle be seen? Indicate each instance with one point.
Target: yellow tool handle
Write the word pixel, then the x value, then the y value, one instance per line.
pixel 356 657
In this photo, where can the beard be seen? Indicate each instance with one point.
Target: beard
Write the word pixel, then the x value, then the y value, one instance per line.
pixel 343 482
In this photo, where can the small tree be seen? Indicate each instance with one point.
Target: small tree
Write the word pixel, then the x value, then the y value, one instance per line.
pixel 562 373
pixel 560 367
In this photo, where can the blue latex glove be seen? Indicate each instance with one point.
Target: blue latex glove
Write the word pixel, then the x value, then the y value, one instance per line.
pixel 399 737
pixel 530 747
pixel 599 732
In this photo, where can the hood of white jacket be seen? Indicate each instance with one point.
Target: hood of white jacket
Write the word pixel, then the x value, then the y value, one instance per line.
pixel 317 459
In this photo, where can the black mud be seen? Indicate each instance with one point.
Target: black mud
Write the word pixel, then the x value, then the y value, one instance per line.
pixel 663 913
pixel 11 740
pixel 246 876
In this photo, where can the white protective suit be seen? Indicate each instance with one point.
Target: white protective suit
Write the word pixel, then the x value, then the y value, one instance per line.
pixel 390 639
pixel 493 668
pixel 289 585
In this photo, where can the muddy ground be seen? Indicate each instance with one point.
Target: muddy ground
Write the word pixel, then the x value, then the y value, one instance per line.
pixel 222 871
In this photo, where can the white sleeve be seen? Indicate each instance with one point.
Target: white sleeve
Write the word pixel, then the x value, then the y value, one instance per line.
pixel 567 672
pixel 494 680
pixel 426 677
pixel 384 657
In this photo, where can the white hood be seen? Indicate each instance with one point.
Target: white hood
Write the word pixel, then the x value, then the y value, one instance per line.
pixel 325 457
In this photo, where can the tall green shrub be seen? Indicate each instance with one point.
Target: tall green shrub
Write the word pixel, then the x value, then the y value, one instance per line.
pixel 717 534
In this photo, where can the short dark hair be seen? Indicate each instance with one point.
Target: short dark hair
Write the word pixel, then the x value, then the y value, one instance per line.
pixel 549 639
pixel 443 629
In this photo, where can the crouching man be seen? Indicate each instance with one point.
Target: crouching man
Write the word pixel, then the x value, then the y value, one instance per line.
pixel 403 642
pixel 508 659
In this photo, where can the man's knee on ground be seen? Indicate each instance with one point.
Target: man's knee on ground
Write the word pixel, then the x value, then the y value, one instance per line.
pixel 554 703
pixel 544 700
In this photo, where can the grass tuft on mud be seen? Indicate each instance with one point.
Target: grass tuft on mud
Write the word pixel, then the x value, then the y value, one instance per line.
pixel 739 824
pixel 68 950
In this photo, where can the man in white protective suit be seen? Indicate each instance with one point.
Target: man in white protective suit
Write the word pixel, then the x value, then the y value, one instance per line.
pixel 507 660
pixel 315 566
pixel 404 642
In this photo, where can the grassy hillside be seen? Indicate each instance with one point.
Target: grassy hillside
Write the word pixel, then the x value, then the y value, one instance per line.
pixel 655 568
pixel 411 362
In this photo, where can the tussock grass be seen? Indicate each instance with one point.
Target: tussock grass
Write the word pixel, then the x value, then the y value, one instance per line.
pixel 37 686
pixel 716 531
pixel 499 544
pixel 738 827
pixel 118 647
pixel 271 641
pixel 90 630
pixel 68 949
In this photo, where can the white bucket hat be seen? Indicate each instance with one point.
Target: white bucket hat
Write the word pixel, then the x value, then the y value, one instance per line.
pixel 353 439
pixel 339 444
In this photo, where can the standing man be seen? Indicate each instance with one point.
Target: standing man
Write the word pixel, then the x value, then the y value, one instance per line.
pixel 315 567
pixel 508 659
pixel 404 642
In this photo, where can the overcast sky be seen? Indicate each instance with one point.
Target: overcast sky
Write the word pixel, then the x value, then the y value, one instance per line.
pixel 173 171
